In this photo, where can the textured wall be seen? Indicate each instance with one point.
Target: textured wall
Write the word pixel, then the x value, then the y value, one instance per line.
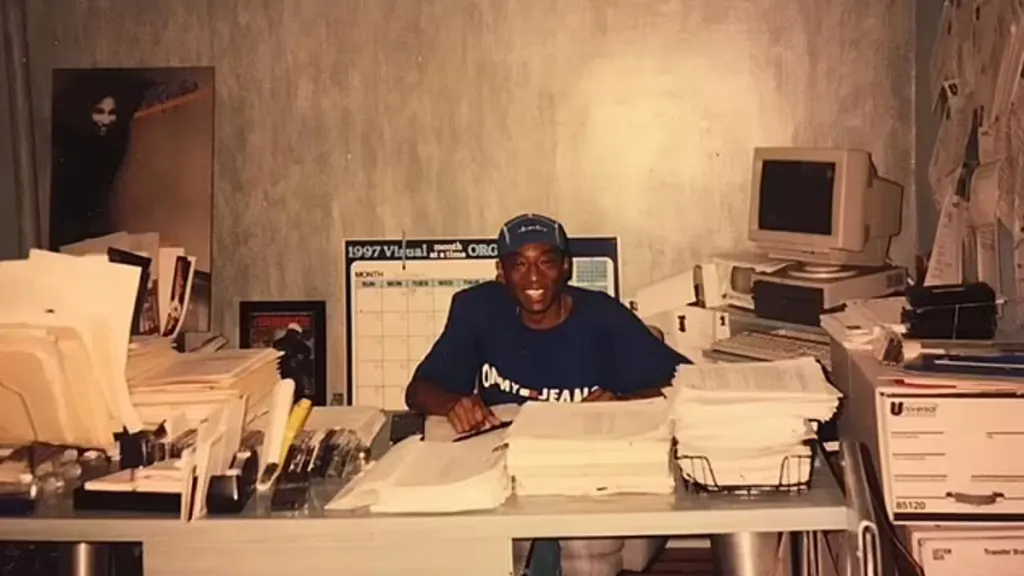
pixel 348 118
pixel 926 119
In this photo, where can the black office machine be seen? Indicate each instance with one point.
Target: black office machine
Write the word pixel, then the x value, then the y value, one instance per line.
pixel 951 312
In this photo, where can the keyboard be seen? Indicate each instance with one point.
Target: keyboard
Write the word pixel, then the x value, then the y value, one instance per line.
pixel 777 345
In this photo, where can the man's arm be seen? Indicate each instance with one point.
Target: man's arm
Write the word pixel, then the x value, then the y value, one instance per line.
pixel 642 363
pixel 655 392
pixel 426 398
pixel 448 372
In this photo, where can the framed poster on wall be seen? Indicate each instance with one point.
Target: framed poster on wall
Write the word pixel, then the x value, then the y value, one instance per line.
pixel 132 151
pixel 298 328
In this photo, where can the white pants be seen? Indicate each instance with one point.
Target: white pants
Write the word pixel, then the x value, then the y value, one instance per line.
pixel 592 557
pixel 583 557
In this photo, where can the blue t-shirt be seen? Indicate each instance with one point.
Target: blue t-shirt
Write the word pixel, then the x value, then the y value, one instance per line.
pixel 601 344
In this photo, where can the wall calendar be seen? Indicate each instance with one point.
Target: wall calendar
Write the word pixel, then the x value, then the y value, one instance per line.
pixel 397 293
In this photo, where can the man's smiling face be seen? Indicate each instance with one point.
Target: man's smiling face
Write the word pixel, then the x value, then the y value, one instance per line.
pixel 535 275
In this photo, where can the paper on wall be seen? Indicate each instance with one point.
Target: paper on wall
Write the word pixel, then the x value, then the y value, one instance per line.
pixel 1018 71
pixel 987 246
pixel 945 61
pixel 963 16
pixel 946 186
pixel 992 141
pixel 1006 57
pixel 1012 161
pixel 954 130
pixel 986 190
pixel 969 253
pixel 945 265
pixel 991 36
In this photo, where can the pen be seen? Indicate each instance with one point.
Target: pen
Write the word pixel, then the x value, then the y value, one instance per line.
pixel 482 431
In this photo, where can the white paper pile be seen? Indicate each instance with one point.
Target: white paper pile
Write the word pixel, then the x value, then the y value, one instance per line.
pixel 739 425
pixel 189 386
pixel 591 448
pixel 432 477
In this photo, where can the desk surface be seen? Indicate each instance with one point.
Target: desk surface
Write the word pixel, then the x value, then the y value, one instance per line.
pixel 821 508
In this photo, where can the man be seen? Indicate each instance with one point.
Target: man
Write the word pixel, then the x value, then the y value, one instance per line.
pixel 529 336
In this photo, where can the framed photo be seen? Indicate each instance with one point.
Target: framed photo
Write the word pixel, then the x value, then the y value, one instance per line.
pixel 299 329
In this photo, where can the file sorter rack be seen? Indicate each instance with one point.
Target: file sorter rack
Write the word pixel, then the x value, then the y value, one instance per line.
pixel 699 476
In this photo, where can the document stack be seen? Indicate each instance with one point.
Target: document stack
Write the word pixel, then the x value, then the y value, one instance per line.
pixel 147 353
pixel 591 448
pixel 747 426
pixel 432 477
pixel 65 324
pixel 187 388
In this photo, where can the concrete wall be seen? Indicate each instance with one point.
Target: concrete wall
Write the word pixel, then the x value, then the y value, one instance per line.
pixel 926 121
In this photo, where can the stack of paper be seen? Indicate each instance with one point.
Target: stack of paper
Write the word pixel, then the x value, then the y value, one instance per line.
pixel 147 353
pixel 432 477
pixel 188 476
pixel 65 323
pixel 591 448
pixel 747 425
pixel 191 385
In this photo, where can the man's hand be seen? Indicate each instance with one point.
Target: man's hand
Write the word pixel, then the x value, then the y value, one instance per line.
pixel 600 395
pixel 470 414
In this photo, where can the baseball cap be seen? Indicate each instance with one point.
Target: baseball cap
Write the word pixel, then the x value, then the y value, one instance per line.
pixel 531 229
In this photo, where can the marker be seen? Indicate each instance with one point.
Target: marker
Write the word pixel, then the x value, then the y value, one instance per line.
pixel 483 431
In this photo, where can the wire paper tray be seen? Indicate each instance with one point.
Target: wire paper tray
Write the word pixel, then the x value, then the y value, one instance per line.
pixel 794 476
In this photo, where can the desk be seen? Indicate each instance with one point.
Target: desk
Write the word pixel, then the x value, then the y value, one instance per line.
pixel 477 544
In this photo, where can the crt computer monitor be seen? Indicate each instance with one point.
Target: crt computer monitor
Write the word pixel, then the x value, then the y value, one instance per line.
pixel 823 207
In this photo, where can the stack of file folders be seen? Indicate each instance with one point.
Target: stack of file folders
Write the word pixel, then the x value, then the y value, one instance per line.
pixel 147 353
pixel 591 449
pixel 65 324
pixel 432 477
pixel 747 427
pixel 189 386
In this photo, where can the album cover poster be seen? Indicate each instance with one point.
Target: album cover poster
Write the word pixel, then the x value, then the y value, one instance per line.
pixel 141 316
pixel 181 291
pixel 299 330
pixel 132 150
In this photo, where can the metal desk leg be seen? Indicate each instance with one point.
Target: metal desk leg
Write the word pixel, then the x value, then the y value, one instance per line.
pixel 86 559
pixel 749 554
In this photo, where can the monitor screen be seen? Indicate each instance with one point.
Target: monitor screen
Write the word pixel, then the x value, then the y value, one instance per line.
pixel 796 196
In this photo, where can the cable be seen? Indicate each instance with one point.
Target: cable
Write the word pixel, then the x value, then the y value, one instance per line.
pixel 780 556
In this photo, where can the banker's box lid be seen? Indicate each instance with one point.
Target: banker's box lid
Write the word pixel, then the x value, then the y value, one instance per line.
pixel 960 552
pixel 951 457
